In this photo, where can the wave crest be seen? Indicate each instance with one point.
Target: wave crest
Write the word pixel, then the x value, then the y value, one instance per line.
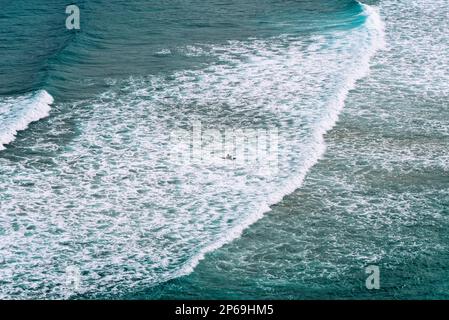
pixel 17 113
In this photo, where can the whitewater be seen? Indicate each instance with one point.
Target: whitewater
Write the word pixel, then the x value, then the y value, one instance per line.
pixel 134 217
pixel 16 113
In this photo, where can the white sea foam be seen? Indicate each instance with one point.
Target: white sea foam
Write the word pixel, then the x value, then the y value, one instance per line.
pixel 132 217
pixel 16 113
pixel 376 27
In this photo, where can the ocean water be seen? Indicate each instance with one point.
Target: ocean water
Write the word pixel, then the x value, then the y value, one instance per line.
pixel 352 97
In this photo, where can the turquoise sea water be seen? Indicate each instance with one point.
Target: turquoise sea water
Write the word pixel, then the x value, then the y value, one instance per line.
pixel 88 180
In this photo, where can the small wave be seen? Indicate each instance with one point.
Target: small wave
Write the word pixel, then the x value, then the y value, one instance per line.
pixel 18 112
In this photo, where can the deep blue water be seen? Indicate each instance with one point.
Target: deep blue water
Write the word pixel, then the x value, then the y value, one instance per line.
pixel 98 135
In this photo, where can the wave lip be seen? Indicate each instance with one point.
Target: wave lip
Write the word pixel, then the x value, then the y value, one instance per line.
pixel 18 112
pixel 376 31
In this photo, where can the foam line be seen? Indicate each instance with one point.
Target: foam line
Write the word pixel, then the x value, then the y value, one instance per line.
pixel 375 26
pixel 17 113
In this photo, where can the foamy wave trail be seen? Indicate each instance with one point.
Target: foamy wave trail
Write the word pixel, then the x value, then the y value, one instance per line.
pixel 135 216
pixel 16 113
pixel 376 41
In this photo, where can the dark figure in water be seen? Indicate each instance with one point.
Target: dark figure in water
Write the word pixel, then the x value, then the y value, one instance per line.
pixel 228 157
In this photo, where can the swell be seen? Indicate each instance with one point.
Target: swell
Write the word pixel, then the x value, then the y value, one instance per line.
pixel 375 26
pixel 23 99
